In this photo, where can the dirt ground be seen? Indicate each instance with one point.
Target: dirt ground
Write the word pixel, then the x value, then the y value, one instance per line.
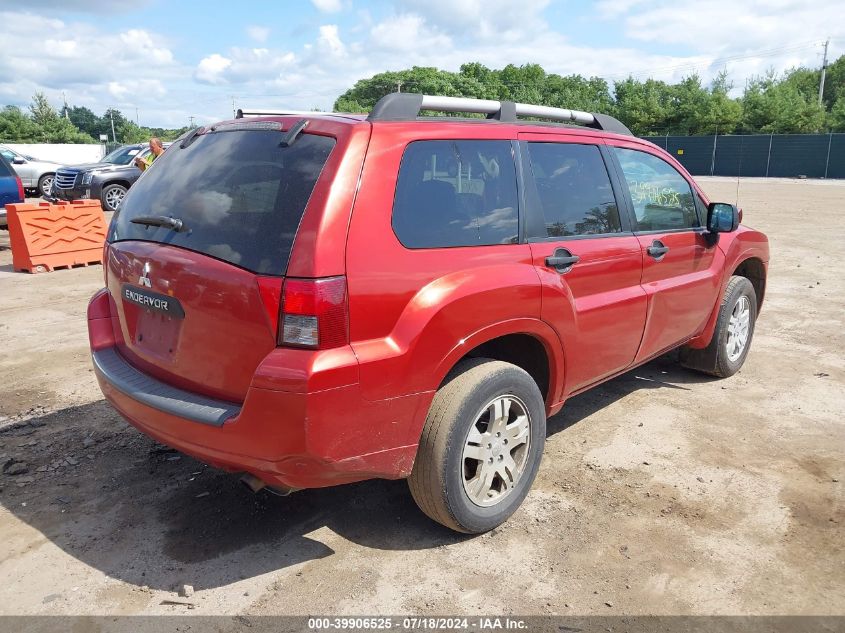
pixel 660 492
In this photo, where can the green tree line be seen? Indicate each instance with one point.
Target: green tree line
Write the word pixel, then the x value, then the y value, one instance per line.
pixel 44 124
pixel 772 103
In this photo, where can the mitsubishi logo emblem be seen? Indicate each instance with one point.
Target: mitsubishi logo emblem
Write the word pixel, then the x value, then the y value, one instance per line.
pixel 144 279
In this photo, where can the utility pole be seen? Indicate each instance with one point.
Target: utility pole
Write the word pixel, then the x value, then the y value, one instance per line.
pixel 234 110
pixel 824 69
pixel 191 121
pixel 65 102
pixel 111 116
pixel 137 120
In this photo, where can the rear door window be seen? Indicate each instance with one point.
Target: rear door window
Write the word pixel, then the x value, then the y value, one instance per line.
pixel 574 192
pixel 240 195
pixel 456 193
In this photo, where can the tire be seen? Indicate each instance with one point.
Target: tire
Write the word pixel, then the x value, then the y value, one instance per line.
pixel 717 359
pixel 45 184
pixel 112 196
pixel 464 402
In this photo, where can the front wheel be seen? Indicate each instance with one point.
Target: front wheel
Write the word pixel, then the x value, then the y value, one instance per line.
pixel 728 348
pixel 113 195
pixel 45 184
pixel 481 446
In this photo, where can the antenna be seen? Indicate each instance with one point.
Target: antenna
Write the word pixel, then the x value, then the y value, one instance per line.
pixel 739 169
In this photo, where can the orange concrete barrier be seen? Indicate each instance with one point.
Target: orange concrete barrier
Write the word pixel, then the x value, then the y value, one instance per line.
pixel 48 236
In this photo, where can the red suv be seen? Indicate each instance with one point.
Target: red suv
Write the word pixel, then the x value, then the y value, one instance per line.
pixel 314 299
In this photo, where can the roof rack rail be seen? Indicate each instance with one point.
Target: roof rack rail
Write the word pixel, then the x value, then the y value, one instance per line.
pixel 404 106
pixel 240 114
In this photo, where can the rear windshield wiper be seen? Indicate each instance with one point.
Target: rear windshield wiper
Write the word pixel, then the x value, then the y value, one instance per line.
pixel 159 220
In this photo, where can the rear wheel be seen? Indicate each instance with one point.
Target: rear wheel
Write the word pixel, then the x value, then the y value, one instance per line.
pixel 112 196
pixel 731 340
pixel 481 446
pixel 45 184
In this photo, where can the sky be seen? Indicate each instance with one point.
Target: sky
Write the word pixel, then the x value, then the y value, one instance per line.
pixel 167 63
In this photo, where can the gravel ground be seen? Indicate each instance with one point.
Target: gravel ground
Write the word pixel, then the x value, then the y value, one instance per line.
pixel 660 492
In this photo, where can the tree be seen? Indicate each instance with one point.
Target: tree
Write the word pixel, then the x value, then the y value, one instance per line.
pixel 52 127
pixel 85 120
pixel 836 117
pixel 16 127
pixel 41 110
pixel 773 106
pixel 644 107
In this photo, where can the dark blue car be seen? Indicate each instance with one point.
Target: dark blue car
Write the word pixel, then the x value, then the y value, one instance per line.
pixel 11 189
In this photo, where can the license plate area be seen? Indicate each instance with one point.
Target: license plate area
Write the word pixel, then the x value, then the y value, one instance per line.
pixel 157 323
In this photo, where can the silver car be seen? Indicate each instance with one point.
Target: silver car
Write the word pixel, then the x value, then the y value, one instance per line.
pixel 35 174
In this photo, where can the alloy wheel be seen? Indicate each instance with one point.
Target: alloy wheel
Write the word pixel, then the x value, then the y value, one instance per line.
pixel 114 197
pixel 738 329
pixel 496 450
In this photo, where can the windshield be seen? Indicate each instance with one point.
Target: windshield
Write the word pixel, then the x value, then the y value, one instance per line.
pixel 240 196
pixel 122 155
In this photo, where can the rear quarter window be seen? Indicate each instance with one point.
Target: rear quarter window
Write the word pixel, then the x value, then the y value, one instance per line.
pixel 456 193
pixel 240 195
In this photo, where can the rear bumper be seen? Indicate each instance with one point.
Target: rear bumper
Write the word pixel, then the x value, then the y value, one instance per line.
pixel 292 437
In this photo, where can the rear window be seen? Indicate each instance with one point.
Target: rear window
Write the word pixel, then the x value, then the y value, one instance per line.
pixel 240 195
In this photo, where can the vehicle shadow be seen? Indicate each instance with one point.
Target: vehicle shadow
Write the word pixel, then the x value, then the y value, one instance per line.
pixel 139 512
pixel 663 372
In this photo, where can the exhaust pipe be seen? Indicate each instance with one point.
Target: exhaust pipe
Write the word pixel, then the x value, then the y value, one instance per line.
pixel 252 482
pixel 256 485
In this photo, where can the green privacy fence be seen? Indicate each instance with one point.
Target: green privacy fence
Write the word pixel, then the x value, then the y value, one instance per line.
pixel 775 155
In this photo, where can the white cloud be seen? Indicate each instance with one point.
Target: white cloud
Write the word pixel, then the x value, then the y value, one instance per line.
pixel 329 40
pixel 327 6
pixel 499 19
pixel 407 32
pixel 118 90
pixel 754 25
pixel 210 69
pixel 258 33
pixel 142 42
pixel 88 66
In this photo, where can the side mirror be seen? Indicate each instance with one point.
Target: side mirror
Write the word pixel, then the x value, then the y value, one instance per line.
pixel 18 161
pixel 722 217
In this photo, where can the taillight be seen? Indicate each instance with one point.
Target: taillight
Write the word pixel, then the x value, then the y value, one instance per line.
pixel 314 313
pixel 20 189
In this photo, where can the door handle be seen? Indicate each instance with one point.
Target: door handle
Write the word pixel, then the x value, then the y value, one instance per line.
pixel 562 260
pixel 657 250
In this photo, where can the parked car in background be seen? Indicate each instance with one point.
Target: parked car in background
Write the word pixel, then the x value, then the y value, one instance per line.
pixel 106 181
pixel 315 299
pixel 36 175
pixel 11 189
